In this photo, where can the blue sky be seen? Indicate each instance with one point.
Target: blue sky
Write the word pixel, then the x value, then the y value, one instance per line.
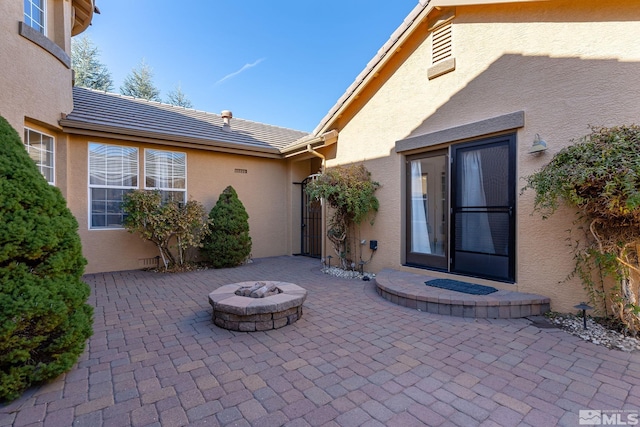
pixel 281 62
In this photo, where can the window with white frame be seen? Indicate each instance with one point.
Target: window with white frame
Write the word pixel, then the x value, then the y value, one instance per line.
pixel 113 172
pixel 166 171
pixel 35 14
pixel 40 149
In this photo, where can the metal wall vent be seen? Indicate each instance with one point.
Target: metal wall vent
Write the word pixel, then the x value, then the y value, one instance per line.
pixel 441 43
pixel 148 262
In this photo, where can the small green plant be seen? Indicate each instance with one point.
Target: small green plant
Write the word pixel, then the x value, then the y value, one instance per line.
pixel 600 176
pixel 350 192
pixel 44 319
pixel 166 224
pixel 229 243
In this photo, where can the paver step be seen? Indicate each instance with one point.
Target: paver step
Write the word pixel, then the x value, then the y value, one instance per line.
pixel 409 290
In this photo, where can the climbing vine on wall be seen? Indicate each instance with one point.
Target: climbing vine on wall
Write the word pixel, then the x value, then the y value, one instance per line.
pixel 350 193
pixel 600 176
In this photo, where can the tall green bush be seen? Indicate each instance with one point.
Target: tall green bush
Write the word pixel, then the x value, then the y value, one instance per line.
pixel 229 243
pixel 44 318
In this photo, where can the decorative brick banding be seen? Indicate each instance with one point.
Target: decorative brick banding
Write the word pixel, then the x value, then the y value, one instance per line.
pixel 238 313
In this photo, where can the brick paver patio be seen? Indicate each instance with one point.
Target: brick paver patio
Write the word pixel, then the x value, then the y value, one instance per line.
pixel 353 359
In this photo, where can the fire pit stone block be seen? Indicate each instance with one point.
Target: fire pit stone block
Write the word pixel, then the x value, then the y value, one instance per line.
pixel 239 313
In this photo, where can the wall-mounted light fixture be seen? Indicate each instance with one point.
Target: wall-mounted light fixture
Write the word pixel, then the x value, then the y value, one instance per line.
pixel 539 145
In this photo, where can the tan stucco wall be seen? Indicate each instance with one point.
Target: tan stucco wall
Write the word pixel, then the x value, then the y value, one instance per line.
pixel 566 64
pixel 34 84
pixel 266 190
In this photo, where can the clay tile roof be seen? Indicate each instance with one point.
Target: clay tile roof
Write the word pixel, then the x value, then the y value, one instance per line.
pixel 111 113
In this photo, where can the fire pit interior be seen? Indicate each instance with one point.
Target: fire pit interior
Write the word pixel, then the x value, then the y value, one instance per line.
pixel 257 306
pixel 259 290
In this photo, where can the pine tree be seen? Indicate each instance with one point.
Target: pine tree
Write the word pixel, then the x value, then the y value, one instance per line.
pixel 139 83
pixel 178 98
pixel 89 71
pixel 228 243
pixel 44 318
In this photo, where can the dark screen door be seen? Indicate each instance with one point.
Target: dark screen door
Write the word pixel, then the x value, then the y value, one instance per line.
pixel 483 208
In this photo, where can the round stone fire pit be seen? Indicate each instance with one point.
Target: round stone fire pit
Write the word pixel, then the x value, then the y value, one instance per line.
pixel 241 313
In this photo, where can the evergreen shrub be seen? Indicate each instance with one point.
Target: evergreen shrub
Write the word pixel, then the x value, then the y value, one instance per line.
pixel 44 318
pixel 228 244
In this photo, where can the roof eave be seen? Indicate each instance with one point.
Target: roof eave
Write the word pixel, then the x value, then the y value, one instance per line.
pixel 411 22
pixel 82 15
pixel 105 131
pixel 418 15
pixel 298 148
pixel 450 3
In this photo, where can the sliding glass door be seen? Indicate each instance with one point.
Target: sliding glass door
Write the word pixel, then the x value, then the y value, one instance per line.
pixel 427 210
pixel 461 213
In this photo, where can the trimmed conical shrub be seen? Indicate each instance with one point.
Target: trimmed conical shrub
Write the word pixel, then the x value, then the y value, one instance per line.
pixel 229 243
pixel 44 318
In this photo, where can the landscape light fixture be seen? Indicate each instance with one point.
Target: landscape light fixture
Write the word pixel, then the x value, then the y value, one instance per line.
pixel 584 307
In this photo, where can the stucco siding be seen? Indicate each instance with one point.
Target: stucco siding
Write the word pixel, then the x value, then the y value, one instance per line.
pixel 262 186
pixel 34 84
pixel 566 64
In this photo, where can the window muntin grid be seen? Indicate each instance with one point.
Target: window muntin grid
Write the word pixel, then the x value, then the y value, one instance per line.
pixel 34 14
pixel 41 149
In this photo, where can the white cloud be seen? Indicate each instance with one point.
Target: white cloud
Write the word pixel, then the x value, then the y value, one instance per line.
pixel 235 73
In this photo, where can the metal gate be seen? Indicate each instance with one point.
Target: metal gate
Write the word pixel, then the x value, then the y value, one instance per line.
pixel 311 233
